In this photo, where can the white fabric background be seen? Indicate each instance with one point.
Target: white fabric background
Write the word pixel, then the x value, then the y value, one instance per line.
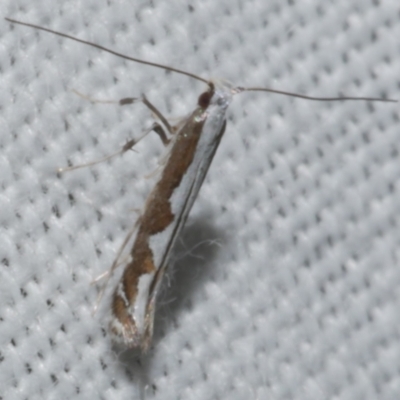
pixel 286 284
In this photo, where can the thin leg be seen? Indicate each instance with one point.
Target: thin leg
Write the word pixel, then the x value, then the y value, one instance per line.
pixel 127 146
pixel 153 109
pixel 130 100
pixel 156 127
pixel 121 102
pixel 158 114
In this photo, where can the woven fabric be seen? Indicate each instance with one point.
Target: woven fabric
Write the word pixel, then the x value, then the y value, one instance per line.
pixel 286 278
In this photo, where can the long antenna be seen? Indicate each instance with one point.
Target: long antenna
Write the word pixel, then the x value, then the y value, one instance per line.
pixel 199 78
pixel 300 96
pixel 97 46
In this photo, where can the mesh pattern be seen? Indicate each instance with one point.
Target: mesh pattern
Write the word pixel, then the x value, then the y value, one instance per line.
pixel 286 280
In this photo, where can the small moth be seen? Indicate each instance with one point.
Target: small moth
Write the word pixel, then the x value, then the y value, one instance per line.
pixel 192 146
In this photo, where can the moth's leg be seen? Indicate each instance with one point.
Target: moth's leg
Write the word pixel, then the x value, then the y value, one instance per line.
pixel 127 146
pixel 172 129
pixel 131 100
pixel 156 127
pixel 160 132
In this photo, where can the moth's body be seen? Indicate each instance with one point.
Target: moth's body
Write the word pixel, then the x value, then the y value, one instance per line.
pixel 167 207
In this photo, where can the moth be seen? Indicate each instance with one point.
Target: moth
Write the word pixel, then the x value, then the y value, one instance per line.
pixel 192 145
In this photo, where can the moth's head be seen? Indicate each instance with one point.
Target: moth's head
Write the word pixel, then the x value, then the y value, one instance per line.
pixel 217 93
pixel 205 98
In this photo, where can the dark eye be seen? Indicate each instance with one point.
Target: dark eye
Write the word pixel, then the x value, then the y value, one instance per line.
pixel 204 99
